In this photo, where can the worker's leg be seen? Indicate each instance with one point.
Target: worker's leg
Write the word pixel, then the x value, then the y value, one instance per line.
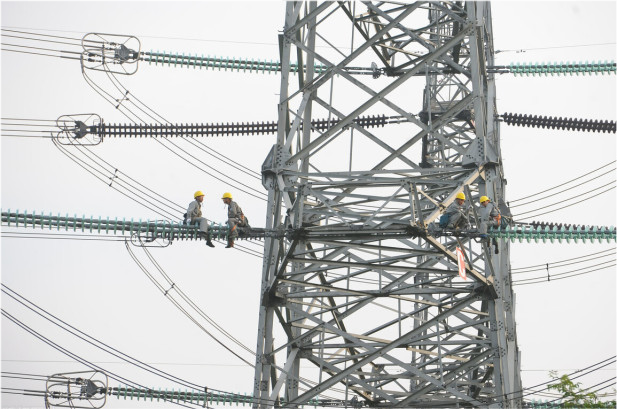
pixel 233 231
pixel 454 220
pixel 203 224
pixel 482 229
pixel 233 227
pixel 203 228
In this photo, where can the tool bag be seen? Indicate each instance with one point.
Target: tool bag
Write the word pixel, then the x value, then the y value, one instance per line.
pixel 443 220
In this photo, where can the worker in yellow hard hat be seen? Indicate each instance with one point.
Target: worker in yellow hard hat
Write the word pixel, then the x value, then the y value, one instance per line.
pixel 193 216
pixel 489 215
pixel 457 213
pixel 235 219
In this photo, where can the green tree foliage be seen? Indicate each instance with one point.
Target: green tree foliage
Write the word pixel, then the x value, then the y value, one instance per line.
pixel 574 397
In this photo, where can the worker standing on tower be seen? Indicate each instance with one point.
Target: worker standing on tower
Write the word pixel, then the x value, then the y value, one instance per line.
pixel 193 216
pixel 489 215
pixel 235 218
pixel 457 213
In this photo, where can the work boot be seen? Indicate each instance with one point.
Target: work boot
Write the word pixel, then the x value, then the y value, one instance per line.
pixel 206 236
pixel 230 243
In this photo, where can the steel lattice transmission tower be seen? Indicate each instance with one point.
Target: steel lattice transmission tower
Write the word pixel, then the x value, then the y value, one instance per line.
pixel 359 304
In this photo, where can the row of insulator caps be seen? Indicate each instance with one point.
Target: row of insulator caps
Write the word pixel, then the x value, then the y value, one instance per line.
pixel 145 229
pixel 220 398
pixel 567 226
pixel 569 68
pixel 184 396
pixel 556 227
pixel 250 65
pixel 234 64
pixel 222 129
pixel 543 233
pixel 258 128
pixel 550 404
pixel 538 121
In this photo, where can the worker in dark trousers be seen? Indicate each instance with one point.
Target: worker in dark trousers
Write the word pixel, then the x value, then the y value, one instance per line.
pixel 457 213
pixel 489 215
pixel 193 216
pixel 235 218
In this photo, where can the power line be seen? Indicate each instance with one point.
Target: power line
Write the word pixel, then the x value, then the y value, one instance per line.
pixel 564 207
pixel 535 199
pixel 72 355
pixel 183 152
pixel 566 200
pixel 36 39
pixel 59 236
pixel 560 276
pixel 42 54
pixel 115 182
pixel 161 37
pixel 554 264
pixel 565 183
pixel 166 293
pixel 230 162
pixel 522 50
pixel 123 362
pixel 91 340
pixel 125 91
pixel 612 359
pixel 78 40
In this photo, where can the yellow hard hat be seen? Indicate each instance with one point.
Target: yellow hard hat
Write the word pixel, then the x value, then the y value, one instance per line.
pixel 227 195
pixel 484 199
pixel 460 195
pixel 198 193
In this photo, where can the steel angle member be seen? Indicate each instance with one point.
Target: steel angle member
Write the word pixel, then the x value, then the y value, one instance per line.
pixel 469 179
pixel 376 267
pixel 488 281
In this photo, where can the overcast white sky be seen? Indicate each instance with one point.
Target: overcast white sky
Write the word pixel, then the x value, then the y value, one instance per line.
pixel 95 285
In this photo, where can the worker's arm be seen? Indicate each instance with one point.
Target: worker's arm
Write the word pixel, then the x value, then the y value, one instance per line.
pixel 192 211
pixel 494 211
pixel 237 211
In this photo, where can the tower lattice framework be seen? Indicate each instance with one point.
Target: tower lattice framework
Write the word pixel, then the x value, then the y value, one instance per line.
pixel 359 301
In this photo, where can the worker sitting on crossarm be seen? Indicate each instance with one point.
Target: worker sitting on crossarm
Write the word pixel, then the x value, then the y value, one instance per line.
pixel 489 215
pixel 193 216
pixel 235 218
pixel 457 213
